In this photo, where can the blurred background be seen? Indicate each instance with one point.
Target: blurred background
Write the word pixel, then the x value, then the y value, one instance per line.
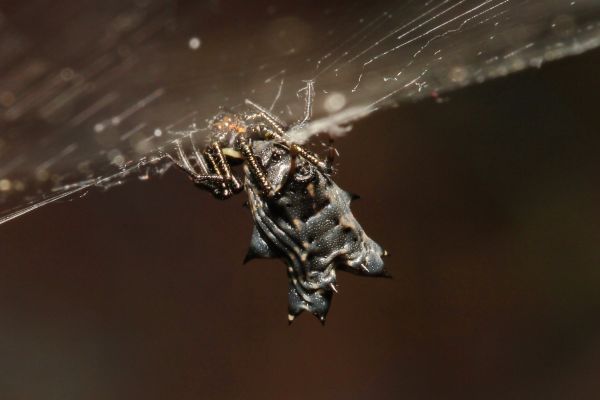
pixel 487 202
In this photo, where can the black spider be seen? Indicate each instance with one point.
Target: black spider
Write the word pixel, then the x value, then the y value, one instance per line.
pixel 300 214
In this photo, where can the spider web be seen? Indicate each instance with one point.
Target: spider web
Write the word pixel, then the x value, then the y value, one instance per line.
pixel 91 91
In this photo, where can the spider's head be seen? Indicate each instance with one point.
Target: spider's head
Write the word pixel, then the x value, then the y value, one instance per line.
pixel 225 127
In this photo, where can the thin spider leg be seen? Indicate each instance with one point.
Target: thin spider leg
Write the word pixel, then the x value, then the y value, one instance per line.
pixel 279 132
pixel 255 168
pixel 309 156
pixel 225 169
pixel 200 161
pixel 206 181
pixel 217 191
pixel 331 153
pixel 183 162
pixel 223 190
pixel 267 116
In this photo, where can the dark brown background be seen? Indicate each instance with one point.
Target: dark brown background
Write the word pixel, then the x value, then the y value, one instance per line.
pixel 489 204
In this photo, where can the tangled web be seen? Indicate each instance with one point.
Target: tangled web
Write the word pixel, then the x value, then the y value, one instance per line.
pixel 91 95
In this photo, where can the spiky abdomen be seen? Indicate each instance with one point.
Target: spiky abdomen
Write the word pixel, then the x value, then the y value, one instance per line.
pixel 311 227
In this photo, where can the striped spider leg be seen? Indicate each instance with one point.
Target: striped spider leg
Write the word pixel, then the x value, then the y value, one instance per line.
pixel 214 175
pixel 277 132
pixel 211 169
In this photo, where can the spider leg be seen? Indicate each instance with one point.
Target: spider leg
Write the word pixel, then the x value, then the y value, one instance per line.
pixel 296 148
pixel 255 167
pixel 225 169
pixel 205 180
pixel 309 156
pixel 277 133
pixel 264 114
pixel 223 191
pixel 220 192
pixel 200 160
pixel 331 154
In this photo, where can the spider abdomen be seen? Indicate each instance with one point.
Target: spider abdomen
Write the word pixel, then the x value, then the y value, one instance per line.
pixel 311 227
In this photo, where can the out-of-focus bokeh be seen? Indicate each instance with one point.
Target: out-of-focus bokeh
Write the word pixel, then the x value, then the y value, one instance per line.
pixel 487 201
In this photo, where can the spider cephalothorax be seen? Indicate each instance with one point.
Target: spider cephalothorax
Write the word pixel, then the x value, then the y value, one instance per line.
pixel 300 214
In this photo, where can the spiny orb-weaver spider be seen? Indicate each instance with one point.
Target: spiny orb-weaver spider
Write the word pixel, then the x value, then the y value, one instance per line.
pixel 300 214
